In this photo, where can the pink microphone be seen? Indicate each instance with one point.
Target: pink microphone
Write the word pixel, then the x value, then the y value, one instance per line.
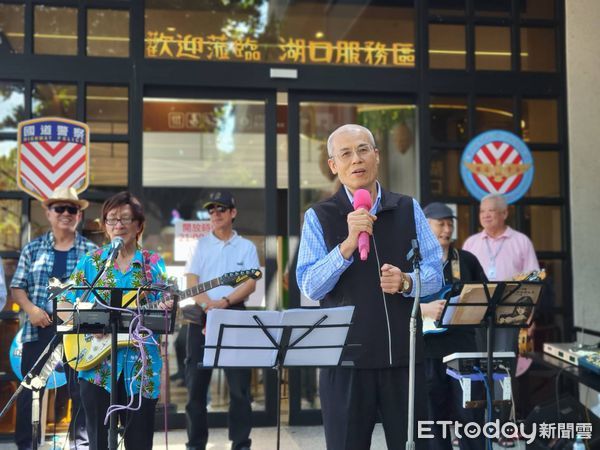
pixel 362 199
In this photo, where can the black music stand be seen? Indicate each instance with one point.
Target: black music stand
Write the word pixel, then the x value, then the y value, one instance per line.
pixel 276 345
pixel 105 320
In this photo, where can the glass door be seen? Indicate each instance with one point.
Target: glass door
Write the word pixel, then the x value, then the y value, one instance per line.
pixel 311 119
pixel 194 143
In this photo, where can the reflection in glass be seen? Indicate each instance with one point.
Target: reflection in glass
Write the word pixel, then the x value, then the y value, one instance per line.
pixel 107 109
pixel 553 289
pixel 393 127
pixel 544 224
pixel 447 7
pixel 493 114
pixel 12 105
pixel 10 225
pixel 307 32
pixel 108 164
pixel 107 33
pixel 55 30
pixel 539 120
pixel 492 8
pixel 12 28
pixel 538 49
pixel 546 182
pixel 448 118
pixel 536 9
pixel 58 100
pixel 462 224
pixel 444 173
pixel 447 47
pixel 492 48
pixel 204 143
pixel 8 165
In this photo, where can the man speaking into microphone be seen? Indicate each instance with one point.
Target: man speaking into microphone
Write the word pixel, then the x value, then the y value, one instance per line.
pixel 336 267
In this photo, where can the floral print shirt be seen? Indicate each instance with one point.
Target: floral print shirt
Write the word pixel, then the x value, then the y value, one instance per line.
pixel 129 360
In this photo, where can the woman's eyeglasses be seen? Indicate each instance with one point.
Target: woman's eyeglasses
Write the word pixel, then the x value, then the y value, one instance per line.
pixel 62 208
pixel 124 221
pixel 220 209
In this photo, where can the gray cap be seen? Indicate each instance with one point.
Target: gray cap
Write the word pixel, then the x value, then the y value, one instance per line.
pixel 437 210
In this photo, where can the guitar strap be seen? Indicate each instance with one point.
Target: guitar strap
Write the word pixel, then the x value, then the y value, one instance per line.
pixel 455 266
pixel 146 267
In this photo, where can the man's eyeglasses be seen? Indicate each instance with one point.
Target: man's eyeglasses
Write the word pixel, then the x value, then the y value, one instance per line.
pixel 220 209
pixel 62 208
pixel 361 151
pixel 124 221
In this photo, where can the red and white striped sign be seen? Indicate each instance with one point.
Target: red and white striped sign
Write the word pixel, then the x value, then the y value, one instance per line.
pixel 52 152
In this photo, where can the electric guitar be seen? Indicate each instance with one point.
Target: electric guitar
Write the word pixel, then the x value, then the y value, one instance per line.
pixel 429 323
pixel 85 351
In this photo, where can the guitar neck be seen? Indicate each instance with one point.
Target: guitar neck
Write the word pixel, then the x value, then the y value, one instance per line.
pixel 200 288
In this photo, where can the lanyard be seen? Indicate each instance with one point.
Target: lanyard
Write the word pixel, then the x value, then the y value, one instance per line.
pixel 493 256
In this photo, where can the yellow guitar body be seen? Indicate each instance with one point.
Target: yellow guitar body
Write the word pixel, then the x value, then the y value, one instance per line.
pixel 85 351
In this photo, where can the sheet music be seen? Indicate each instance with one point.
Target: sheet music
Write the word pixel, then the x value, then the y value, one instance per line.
pixel 518 303
pixel 301 319
pixel 471 293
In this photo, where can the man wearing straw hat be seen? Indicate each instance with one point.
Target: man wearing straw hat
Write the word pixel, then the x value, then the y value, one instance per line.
pixel 54 254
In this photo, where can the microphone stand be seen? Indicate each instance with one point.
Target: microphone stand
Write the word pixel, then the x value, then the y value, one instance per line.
pixel 415 255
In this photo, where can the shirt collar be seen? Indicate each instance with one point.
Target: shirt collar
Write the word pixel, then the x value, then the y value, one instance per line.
pixel 509 232
pixel 215 240
pixel 375 206
pixel 49 239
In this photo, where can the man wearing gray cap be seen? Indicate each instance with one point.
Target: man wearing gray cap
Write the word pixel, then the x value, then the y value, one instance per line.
pixel 445 394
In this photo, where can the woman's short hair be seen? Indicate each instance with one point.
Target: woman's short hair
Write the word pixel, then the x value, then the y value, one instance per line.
pixel 122 199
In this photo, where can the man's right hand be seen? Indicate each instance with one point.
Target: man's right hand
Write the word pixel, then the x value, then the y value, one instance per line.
pixel 38 317
pixel 358 221
pixel 433 309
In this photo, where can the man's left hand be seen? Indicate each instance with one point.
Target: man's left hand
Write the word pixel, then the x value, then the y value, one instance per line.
pixel 391 279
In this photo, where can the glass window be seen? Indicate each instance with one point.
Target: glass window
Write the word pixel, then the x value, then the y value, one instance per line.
pixel 12 105
pixel 553 285
pixel 546 180
pixel 539 120
pixel 544 227
pixel 107 33
pixel 492 48
pixel 108 164
pixel 492 8
pixel 55 30
pixel 462 224
pixel 8 165
pixel 204 143
pixel 10 225
pixel 538 49
pixel 107 109
pixel 12 28
pixel 448 117
pixel 50 99
pixel 447 7
pixel 447 47
pixel 536 9
pixel 444 173
pixel 493 114
pixel 306 32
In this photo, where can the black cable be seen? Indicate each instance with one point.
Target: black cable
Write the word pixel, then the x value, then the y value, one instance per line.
pixel 557 393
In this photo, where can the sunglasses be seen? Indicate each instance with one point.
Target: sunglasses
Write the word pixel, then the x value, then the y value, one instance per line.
pixel 220 209
pixel 61 209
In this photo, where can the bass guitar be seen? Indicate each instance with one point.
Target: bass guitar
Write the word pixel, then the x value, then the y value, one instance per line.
pixel 85 351
pixel 430 325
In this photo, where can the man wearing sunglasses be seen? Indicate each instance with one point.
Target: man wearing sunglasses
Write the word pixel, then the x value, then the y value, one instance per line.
pixel 54 254
pixel 221 251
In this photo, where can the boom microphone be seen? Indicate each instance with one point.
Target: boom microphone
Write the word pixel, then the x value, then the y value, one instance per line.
pixel 362 199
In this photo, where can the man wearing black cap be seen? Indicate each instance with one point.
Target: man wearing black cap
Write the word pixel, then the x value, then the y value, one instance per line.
pixel 219 252
pixel 445 394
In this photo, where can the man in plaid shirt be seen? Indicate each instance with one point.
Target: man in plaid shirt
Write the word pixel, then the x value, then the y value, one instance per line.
pixel 53 254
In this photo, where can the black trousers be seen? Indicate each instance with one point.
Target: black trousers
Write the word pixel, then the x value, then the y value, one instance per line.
pixel 445 403
pixel 23 430
pixel 138 425
pixel 198 381
pixel 352 400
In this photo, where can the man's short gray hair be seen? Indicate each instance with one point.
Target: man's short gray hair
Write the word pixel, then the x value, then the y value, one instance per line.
pixel 348 127
pixel 498 199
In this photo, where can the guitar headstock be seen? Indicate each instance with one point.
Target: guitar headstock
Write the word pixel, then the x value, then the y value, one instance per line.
pixel 534 275
pixel 235 278
pixel 55 287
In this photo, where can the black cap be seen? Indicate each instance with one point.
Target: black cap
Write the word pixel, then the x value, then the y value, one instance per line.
pixel 437 210
pixel 222 198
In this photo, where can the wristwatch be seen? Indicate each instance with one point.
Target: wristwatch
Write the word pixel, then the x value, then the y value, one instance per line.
pixel 227 300
pixel 405 284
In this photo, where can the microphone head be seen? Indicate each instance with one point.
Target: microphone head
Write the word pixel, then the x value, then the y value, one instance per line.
pixel 362 199
pixel 117 242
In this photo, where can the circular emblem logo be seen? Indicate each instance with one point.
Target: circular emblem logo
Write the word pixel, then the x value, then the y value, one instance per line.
pixel 497 162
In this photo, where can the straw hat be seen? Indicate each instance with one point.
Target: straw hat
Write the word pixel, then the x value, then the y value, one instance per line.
pixel 67 195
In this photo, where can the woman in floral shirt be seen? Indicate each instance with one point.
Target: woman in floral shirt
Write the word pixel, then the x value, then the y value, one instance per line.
pixel 122 216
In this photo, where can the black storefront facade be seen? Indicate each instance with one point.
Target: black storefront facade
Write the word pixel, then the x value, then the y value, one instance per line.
pixel 176 112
